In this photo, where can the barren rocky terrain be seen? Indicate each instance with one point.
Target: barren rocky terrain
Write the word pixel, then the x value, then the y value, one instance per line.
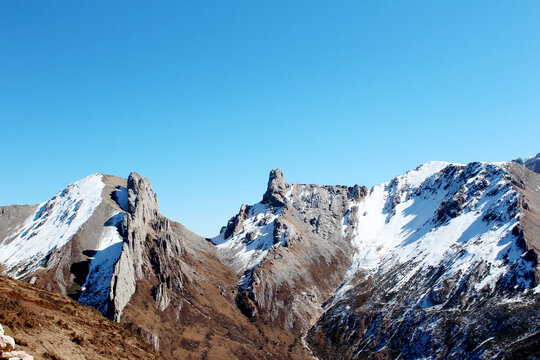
pixel 47 325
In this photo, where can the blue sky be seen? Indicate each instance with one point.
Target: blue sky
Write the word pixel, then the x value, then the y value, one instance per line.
pixel 206 97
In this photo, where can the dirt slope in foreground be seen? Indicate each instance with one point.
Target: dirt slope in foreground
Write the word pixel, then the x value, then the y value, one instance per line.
pixel 51 326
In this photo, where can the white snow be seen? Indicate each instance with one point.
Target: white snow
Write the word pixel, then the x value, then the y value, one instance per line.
pixel 247 254
pixel 98 282
pixel 404 224
pixel 414 178
pixel 52 224
pixel 376 236
pixel 408 232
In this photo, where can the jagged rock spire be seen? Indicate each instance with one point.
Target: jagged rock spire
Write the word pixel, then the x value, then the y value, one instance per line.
pixel 143 213
pixel 140 191
pixel 277 188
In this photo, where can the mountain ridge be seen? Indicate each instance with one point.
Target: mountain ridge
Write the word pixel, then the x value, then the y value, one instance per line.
pixel 294 263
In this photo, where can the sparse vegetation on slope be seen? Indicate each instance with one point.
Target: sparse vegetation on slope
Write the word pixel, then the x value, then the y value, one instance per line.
pixel 51 326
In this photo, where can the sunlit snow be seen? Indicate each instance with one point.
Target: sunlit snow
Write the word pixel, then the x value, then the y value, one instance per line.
pixel 98 282
pixel 52 224
pixel 397 224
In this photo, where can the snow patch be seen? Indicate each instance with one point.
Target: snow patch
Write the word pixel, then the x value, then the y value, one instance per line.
pixel 98 282
pixel 249 246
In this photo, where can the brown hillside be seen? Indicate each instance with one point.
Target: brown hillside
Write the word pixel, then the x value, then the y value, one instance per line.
pixel 51 326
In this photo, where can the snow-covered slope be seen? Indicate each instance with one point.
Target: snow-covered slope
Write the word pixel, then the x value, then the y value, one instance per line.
pixel 412 254
pixel 440 212
pixel 96 289
pixel 253 239
pixel 51 226
pixel 439 241
pixel 71 242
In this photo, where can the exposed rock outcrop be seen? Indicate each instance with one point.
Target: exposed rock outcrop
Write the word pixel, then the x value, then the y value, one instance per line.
pixel 290 250
pixel 7 348
pixel 150 249
pixel 277 189
pixel 168 280
pixel 6 342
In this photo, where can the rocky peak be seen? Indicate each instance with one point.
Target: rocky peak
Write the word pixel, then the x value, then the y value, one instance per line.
pixel 235 223
pixel 277 187
pixel 143 223
pixel 140 191
pixel 143 208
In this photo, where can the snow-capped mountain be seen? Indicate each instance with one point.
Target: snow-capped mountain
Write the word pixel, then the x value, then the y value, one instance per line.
pixel 51 225
pixel 440 262
pixel 443 266
pixel 414 256
pixel 289 250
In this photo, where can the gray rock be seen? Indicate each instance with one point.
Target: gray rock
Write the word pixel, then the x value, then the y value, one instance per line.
pixel 306 257
pixel 161 260
pixel 162 297
pixel 277 188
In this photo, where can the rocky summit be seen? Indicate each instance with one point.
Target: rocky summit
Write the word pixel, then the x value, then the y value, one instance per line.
pixel 438 263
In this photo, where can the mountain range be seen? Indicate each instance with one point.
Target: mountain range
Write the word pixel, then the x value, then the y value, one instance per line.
pixel 440 263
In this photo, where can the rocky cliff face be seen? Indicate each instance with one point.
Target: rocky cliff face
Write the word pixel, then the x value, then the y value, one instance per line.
pixel 159 260
pixel 168 280
pixel 289 250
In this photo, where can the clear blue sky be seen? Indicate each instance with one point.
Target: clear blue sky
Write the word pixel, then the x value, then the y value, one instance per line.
pixel 205 97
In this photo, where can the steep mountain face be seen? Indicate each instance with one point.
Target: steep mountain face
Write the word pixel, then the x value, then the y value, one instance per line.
pixel 441 262
pixel 289 250
pixel 443 266
pixel 53 243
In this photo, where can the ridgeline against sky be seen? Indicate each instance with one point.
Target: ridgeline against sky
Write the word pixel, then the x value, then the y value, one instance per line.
pixel 205 98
